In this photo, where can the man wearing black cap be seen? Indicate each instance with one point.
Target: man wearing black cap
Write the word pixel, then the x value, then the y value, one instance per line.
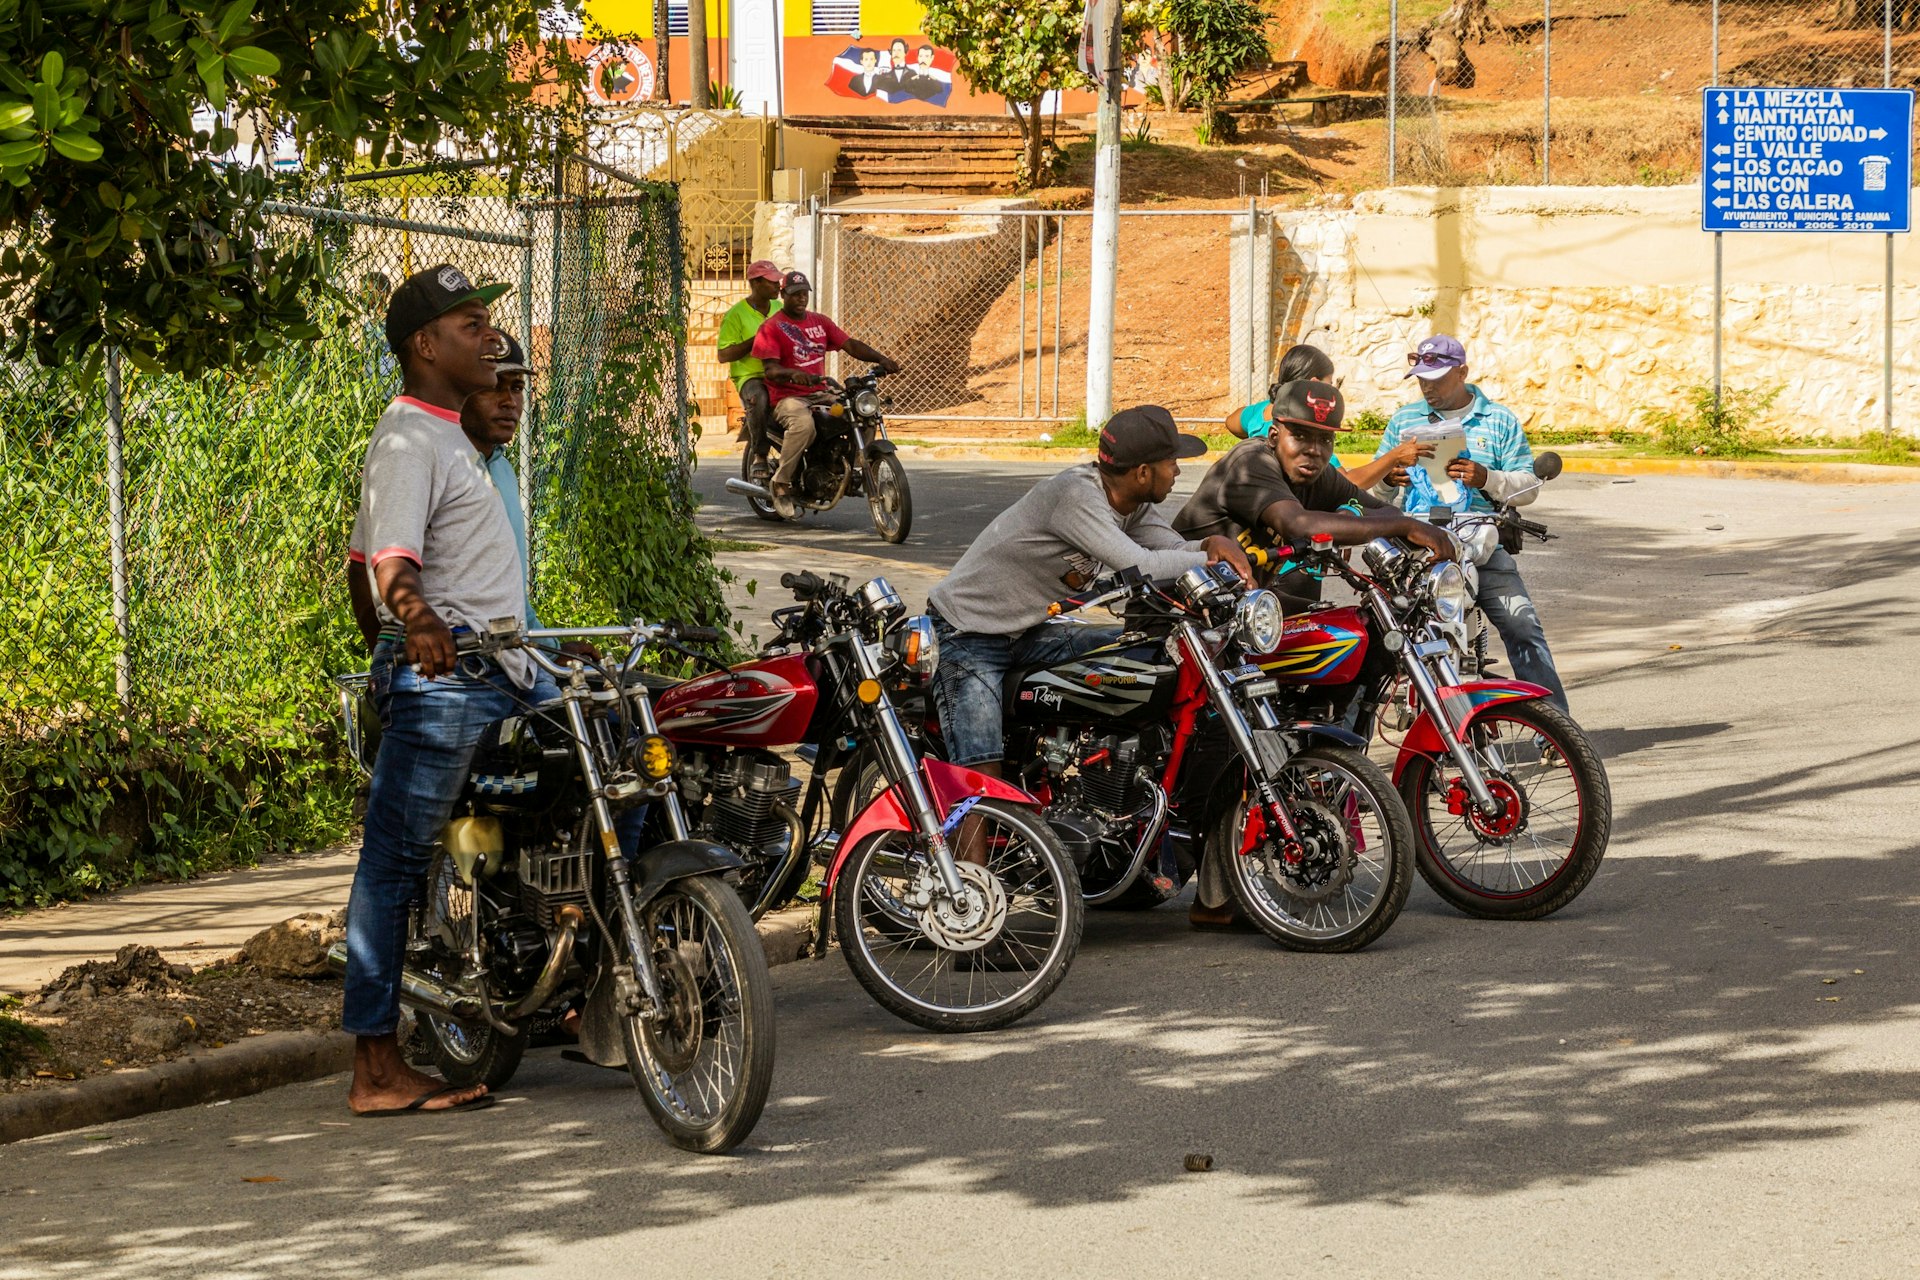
pixel 1088 521
pixel 792 347
pixel 1284 488
pixel 439 552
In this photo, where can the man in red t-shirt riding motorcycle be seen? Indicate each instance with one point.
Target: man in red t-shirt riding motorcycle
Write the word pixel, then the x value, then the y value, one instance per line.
pixel 792 346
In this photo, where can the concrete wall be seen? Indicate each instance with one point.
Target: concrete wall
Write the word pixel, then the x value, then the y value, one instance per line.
pixel 1580 307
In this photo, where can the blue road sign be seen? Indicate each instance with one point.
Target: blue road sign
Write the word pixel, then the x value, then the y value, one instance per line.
pixel 1806 160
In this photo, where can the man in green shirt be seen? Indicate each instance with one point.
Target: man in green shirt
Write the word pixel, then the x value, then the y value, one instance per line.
pixel 737 330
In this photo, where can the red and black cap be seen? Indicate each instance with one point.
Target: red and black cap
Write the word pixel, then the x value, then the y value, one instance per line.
pixel 1308 403
pixel 1143 435
pixel 425 296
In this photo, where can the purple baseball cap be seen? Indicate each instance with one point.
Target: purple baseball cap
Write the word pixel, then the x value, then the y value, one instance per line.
pixel 1439 354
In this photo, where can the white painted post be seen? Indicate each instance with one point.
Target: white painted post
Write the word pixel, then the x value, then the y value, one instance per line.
pixel 1105 278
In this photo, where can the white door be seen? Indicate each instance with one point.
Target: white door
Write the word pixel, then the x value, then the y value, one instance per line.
pixel 753 32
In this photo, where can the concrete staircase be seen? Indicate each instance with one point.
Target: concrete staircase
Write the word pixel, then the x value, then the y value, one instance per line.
pixel 956 155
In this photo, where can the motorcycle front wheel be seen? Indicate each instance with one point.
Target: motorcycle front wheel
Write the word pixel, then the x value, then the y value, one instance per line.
pixel 911 961
pixel 1350 881
pixel 1557 815
pixel 889 500
pixel 704 1064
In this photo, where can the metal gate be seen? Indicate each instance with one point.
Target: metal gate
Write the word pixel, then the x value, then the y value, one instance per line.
pixel 986 308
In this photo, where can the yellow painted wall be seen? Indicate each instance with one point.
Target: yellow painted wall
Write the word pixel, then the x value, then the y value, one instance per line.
pixel 880 17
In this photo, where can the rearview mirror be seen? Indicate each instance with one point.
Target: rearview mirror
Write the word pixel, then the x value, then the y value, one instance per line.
pixel 1547 465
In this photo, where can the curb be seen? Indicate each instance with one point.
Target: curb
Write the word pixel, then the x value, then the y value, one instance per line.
pixel 1718 469
pixel 258 1063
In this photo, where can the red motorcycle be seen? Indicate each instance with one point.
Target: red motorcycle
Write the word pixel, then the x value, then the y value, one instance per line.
pixel 1510 804
pixel 944 942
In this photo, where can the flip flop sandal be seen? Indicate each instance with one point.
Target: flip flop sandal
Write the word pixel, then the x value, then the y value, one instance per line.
pixel 418 1107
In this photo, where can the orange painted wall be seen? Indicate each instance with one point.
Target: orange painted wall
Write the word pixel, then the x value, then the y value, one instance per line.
pixel 807 63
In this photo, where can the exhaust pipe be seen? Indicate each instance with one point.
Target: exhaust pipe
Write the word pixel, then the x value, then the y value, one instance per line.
pixel 736 485
pixel 570 918
pixel 419 991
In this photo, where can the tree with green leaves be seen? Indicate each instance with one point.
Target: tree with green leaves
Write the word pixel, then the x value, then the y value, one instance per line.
pixel 119 224
pixel 1202 46
pixel 1019 49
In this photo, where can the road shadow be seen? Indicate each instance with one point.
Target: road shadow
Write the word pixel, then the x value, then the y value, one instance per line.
pixel 1676 1014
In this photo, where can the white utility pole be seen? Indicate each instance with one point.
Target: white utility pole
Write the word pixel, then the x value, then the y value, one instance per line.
pixel 1106 226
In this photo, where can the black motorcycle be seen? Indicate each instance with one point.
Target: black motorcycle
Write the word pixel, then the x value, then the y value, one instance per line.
pixel 850 455
pixel 533 918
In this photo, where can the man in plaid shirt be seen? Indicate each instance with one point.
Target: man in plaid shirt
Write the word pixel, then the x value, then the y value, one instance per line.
pixel 1495 467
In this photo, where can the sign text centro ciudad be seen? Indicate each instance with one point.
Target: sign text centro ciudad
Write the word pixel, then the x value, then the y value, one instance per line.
pixel 1806 159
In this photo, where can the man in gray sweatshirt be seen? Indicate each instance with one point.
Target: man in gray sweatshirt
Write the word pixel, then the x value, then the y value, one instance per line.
pixel 1090 520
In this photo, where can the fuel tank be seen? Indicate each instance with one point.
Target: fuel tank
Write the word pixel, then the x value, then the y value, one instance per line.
pixel 765 703
pixel 1122 684
pixel 1324 646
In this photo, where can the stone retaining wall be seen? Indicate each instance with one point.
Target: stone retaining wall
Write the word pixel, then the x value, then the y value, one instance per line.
pixel 1583 307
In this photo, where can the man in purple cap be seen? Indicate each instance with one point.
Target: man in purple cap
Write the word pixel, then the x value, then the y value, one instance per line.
pixel 737 329
pixel 1496 467
pixel 1090 520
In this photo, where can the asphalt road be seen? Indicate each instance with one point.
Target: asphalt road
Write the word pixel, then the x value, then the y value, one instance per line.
pixel 1707 1065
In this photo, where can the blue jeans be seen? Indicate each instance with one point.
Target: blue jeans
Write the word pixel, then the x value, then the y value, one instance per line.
pixel 430 729
pixel 969 683
pixel 1503 597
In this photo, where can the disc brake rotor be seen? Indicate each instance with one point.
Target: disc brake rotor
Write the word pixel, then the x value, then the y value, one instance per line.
pixel 973 919
pixel 1503 826
pixel 1327 857
pixel 676 1035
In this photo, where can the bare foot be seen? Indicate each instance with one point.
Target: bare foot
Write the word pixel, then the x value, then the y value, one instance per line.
pixel 382 1080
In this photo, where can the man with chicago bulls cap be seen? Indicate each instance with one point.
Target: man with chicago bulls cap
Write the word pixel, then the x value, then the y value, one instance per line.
pixel 1281 489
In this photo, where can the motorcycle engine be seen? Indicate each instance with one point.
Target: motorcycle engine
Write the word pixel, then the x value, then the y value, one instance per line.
pixel 1097 801
pixel 742 791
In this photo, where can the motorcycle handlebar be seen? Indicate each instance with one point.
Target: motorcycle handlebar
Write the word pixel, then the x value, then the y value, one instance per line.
pixel 693 635
pixel 804 585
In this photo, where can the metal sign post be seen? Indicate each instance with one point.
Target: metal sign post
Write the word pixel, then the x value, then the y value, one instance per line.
pixel 1796 159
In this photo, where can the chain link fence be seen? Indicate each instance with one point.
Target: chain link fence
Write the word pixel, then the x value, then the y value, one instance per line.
pixel 986 309
pixel 173 549
pixel 1587 92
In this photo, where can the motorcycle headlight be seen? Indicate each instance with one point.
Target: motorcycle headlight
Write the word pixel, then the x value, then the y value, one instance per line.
pixel 867 403
pixel 916 646
pixel 1447 586
pixel 1260 621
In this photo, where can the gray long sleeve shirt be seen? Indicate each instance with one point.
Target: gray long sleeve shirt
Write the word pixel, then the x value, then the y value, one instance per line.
pixel 1051 543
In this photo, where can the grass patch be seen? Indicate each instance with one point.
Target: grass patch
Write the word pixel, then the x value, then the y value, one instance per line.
pixel 1885 451
pixel 1723 425
pixel 20 1044
pixel 721 545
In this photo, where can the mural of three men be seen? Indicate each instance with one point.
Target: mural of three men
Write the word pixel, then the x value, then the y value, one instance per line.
pixel 895 74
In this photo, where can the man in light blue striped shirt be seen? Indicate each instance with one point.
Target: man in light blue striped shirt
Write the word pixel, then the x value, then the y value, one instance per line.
pixel 1495 467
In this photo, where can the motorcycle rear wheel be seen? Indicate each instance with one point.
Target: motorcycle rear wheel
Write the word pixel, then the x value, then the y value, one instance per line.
pixel 760 506
pixel 914 977
pixel 1337 797
pixel 1535 752
pixel 704 1066
pixel 464 1053
pixel 889 500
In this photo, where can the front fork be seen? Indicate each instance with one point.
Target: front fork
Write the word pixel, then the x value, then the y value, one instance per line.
pixel 619 876
pixel 902 766
pixel 1415 654
pixel 1240 733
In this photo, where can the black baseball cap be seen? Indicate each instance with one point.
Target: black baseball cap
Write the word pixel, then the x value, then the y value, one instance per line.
pixel 1145 434
pixel 795 280
pixel 1308 403
pixel 425 296
pixel 509 358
